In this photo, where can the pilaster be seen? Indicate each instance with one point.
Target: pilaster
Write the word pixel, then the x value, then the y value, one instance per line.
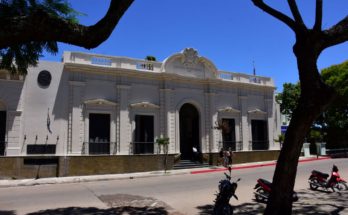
pixel 211 145
pixel 169 118
pixel 243 101
pixel 270 123
pixel 75 126
pixel 125 136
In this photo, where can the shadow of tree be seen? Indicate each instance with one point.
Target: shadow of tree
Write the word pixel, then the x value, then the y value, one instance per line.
pixel 246 208
pixel 7 213
pixel 206 209
pixel 321 202
pixel 310 203
pixel 97 211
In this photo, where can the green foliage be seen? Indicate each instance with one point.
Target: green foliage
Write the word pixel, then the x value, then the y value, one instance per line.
pixel 337 77
pixel 162 141
pixel 19 57
pixel 150 58
pixel 281 138
pixel 333 122
pixel 288 99
pixel 335 119
pixel 315 136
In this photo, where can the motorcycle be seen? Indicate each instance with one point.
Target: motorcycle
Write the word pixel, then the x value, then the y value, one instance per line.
pixel 263 189
pixel 227 189
pixel 318 179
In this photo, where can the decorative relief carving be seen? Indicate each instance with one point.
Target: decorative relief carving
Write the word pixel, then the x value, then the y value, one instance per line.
pixel 190 57
pixel 144 105
pixel 100 102
pixel 256 111
pixel 229 110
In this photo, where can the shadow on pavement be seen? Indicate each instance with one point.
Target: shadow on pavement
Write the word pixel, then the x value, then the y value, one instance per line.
pixel 310 203
pixel 321 202
pixel 7 213
pixel 246 208
pixel 205 209
pixel 97 211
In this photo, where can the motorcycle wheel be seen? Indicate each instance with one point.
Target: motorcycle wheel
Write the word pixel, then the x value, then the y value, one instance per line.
pixel 341 186
pixel 313 183
pixel 261 192
pixel 223 210
pixel 294 197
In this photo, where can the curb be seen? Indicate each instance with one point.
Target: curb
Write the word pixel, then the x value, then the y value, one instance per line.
pixel 125 176
pixel 273 163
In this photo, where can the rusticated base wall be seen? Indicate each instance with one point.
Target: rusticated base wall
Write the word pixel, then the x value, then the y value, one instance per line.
pixel 45 166
pixel 42 167
pixel 244 157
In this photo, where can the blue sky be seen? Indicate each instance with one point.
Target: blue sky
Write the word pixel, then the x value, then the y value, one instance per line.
pixel 231 33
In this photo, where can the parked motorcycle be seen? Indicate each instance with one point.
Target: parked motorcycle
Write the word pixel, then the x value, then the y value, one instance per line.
pixel 263 189
pixel 227 189
pixel 318 179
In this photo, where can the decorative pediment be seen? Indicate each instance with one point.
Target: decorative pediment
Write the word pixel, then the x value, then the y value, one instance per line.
pixel 144 105
pixel 99 102
pixel 229 110
pixel 256 111
pixel 188 63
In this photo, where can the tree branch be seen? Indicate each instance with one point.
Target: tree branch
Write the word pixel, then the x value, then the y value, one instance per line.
pixel 278 15
pixel 41 26
pixel 318 15
pixel 336 34
pixel 295 12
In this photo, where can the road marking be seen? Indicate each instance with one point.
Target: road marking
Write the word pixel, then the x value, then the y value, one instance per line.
pixel 273 163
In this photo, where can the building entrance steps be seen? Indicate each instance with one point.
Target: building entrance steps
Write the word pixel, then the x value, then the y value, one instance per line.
pixel 188 164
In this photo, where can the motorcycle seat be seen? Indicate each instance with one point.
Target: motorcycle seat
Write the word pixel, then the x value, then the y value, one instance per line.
pixel 324 175
pixel 264 181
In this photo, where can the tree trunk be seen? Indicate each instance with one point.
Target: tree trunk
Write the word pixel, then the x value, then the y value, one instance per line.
pixel 310 106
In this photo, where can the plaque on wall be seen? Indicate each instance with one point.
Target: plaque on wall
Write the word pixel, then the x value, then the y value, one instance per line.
pixel 44 78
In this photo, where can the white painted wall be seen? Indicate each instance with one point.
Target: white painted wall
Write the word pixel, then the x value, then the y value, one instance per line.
pixel 180 79
pixel 42 103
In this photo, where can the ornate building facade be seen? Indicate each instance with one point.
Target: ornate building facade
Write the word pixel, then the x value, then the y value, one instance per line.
pixel 103 105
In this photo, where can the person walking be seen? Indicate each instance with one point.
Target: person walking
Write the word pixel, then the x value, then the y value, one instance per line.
pixel 230 156
pixel 226 158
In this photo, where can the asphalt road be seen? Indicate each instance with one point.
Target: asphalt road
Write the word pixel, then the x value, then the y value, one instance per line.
pixel 187 194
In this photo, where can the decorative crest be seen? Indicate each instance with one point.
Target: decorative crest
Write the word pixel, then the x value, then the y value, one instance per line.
pixel 190 57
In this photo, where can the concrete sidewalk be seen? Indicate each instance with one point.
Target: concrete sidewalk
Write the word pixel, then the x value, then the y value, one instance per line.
pixel 78 179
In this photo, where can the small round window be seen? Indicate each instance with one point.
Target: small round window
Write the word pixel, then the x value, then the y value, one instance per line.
pixel 44 78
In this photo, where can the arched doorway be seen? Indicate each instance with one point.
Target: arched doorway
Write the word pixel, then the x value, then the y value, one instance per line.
pixel 189 131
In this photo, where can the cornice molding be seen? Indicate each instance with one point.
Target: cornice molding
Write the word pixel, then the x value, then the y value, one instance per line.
pixel 144 105
pixel 102 102
pixel 256 111
pixel 229 109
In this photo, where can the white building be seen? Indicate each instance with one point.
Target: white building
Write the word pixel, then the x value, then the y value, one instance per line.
pixel 94 104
